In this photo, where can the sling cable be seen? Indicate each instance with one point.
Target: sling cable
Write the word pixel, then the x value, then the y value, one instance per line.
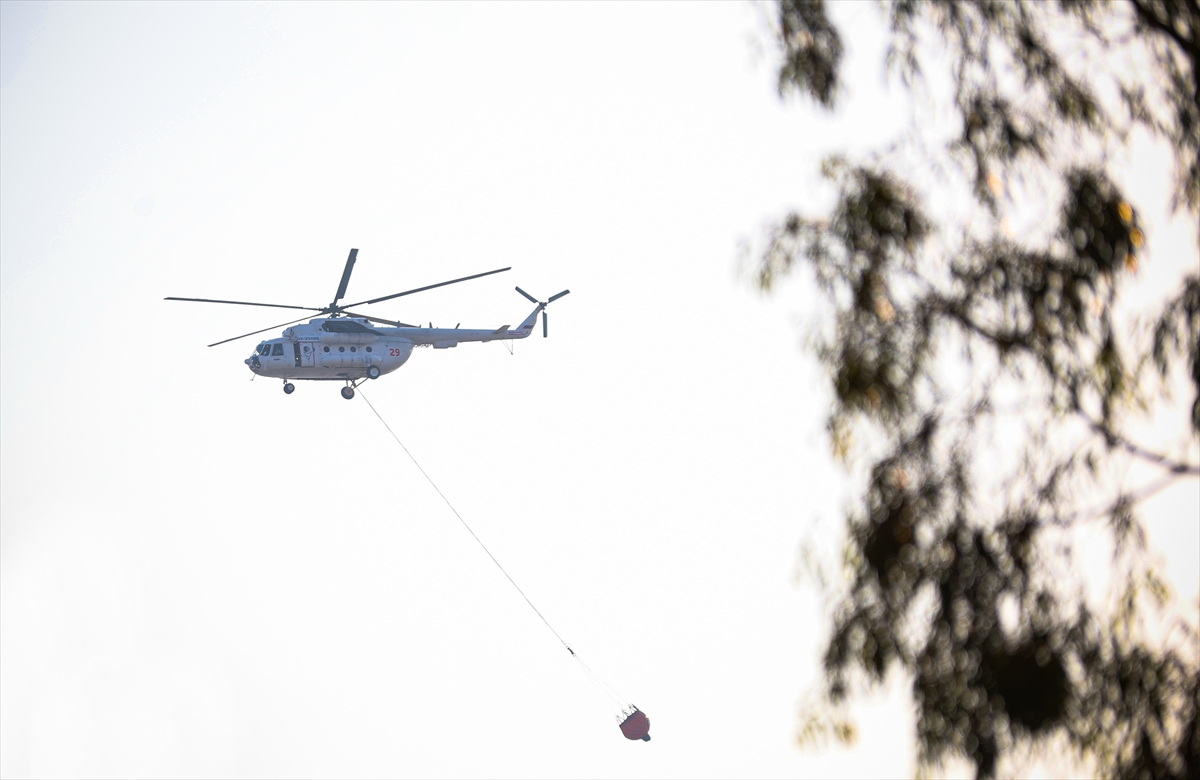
pixel 633 722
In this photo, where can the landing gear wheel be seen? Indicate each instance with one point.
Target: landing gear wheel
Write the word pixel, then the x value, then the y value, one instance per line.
pixel 289 388
pixel 373 372
pixel 347 392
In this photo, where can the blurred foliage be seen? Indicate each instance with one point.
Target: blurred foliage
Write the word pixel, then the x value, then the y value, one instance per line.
pixel 960 567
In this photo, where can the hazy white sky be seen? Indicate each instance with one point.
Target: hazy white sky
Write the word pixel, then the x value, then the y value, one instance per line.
pixel 204 577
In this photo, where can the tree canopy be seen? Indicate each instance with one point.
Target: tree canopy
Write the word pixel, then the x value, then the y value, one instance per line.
pixel 984 379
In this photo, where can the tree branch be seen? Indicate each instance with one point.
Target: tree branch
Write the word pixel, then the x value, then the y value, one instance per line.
pixel 1151 19
pixel 1170 464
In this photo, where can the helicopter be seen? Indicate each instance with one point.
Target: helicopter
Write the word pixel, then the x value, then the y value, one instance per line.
pixel 349 347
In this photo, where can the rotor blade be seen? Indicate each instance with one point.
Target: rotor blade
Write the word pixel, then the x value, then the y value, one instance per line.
pixel 545 325
pixel 346 275
pixel 245 303
pixel 393 323
pixel 422 289
pixel 244 335
pixel 527 295
pixel 554 298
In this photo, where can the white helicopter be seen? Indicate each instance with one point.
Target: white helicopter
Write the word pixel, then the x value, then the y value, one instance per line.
pixel 345 346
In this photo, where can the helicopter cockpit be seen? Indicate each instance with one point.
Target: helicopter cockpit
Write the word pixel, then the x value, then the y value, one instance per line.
pixel 264 350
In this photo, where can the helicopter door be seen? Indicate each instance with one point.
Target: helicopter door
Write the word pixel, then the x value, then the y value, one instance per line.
pixel 305 355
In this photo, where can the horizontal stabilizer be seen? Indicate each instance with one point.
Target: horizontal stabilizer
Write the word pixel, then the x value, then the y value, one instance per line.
pixel 501 330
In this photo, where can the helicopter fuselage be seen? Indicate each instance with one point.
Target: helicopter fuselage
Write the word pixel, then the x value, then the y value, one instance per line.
pixel 353 347
pixel 348 348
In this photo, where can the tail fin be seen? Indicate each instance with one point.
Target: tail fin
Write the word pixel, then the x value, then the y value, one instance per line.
pixel 526 327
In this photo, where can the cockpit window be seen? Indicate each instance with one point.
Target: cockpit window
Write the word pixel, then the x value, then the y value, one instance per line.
pixel 277 350
pixel 264 349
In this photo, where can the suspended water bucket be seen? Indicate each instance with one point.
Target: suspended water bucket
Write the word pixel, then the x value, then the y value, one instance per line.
pixel 636 726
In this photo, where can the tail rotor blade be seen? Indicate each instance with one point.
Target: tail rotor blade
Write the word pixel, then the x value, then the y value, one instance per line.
pixel 527 295
pixel 545 325
pixel 554 298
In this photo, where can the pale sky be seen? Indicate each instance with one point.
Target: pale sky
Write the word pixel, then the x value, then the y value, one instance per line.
pixel 204 577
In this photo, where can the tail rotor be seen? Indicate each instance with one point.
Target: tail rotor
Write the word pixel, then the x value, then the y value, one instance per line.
pixel 543 305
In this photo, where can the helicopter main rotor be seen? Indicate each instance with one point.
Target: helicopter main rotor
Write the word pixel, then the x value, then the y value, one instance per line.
pixel 334 309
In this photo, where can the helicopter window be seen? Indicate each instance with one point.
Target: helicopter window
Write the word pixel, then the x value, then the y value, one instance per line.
pixel 351 349
pixel 326 349
pixel 368 349
pixel 264 349
pixel 341 349
pixel 277 350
